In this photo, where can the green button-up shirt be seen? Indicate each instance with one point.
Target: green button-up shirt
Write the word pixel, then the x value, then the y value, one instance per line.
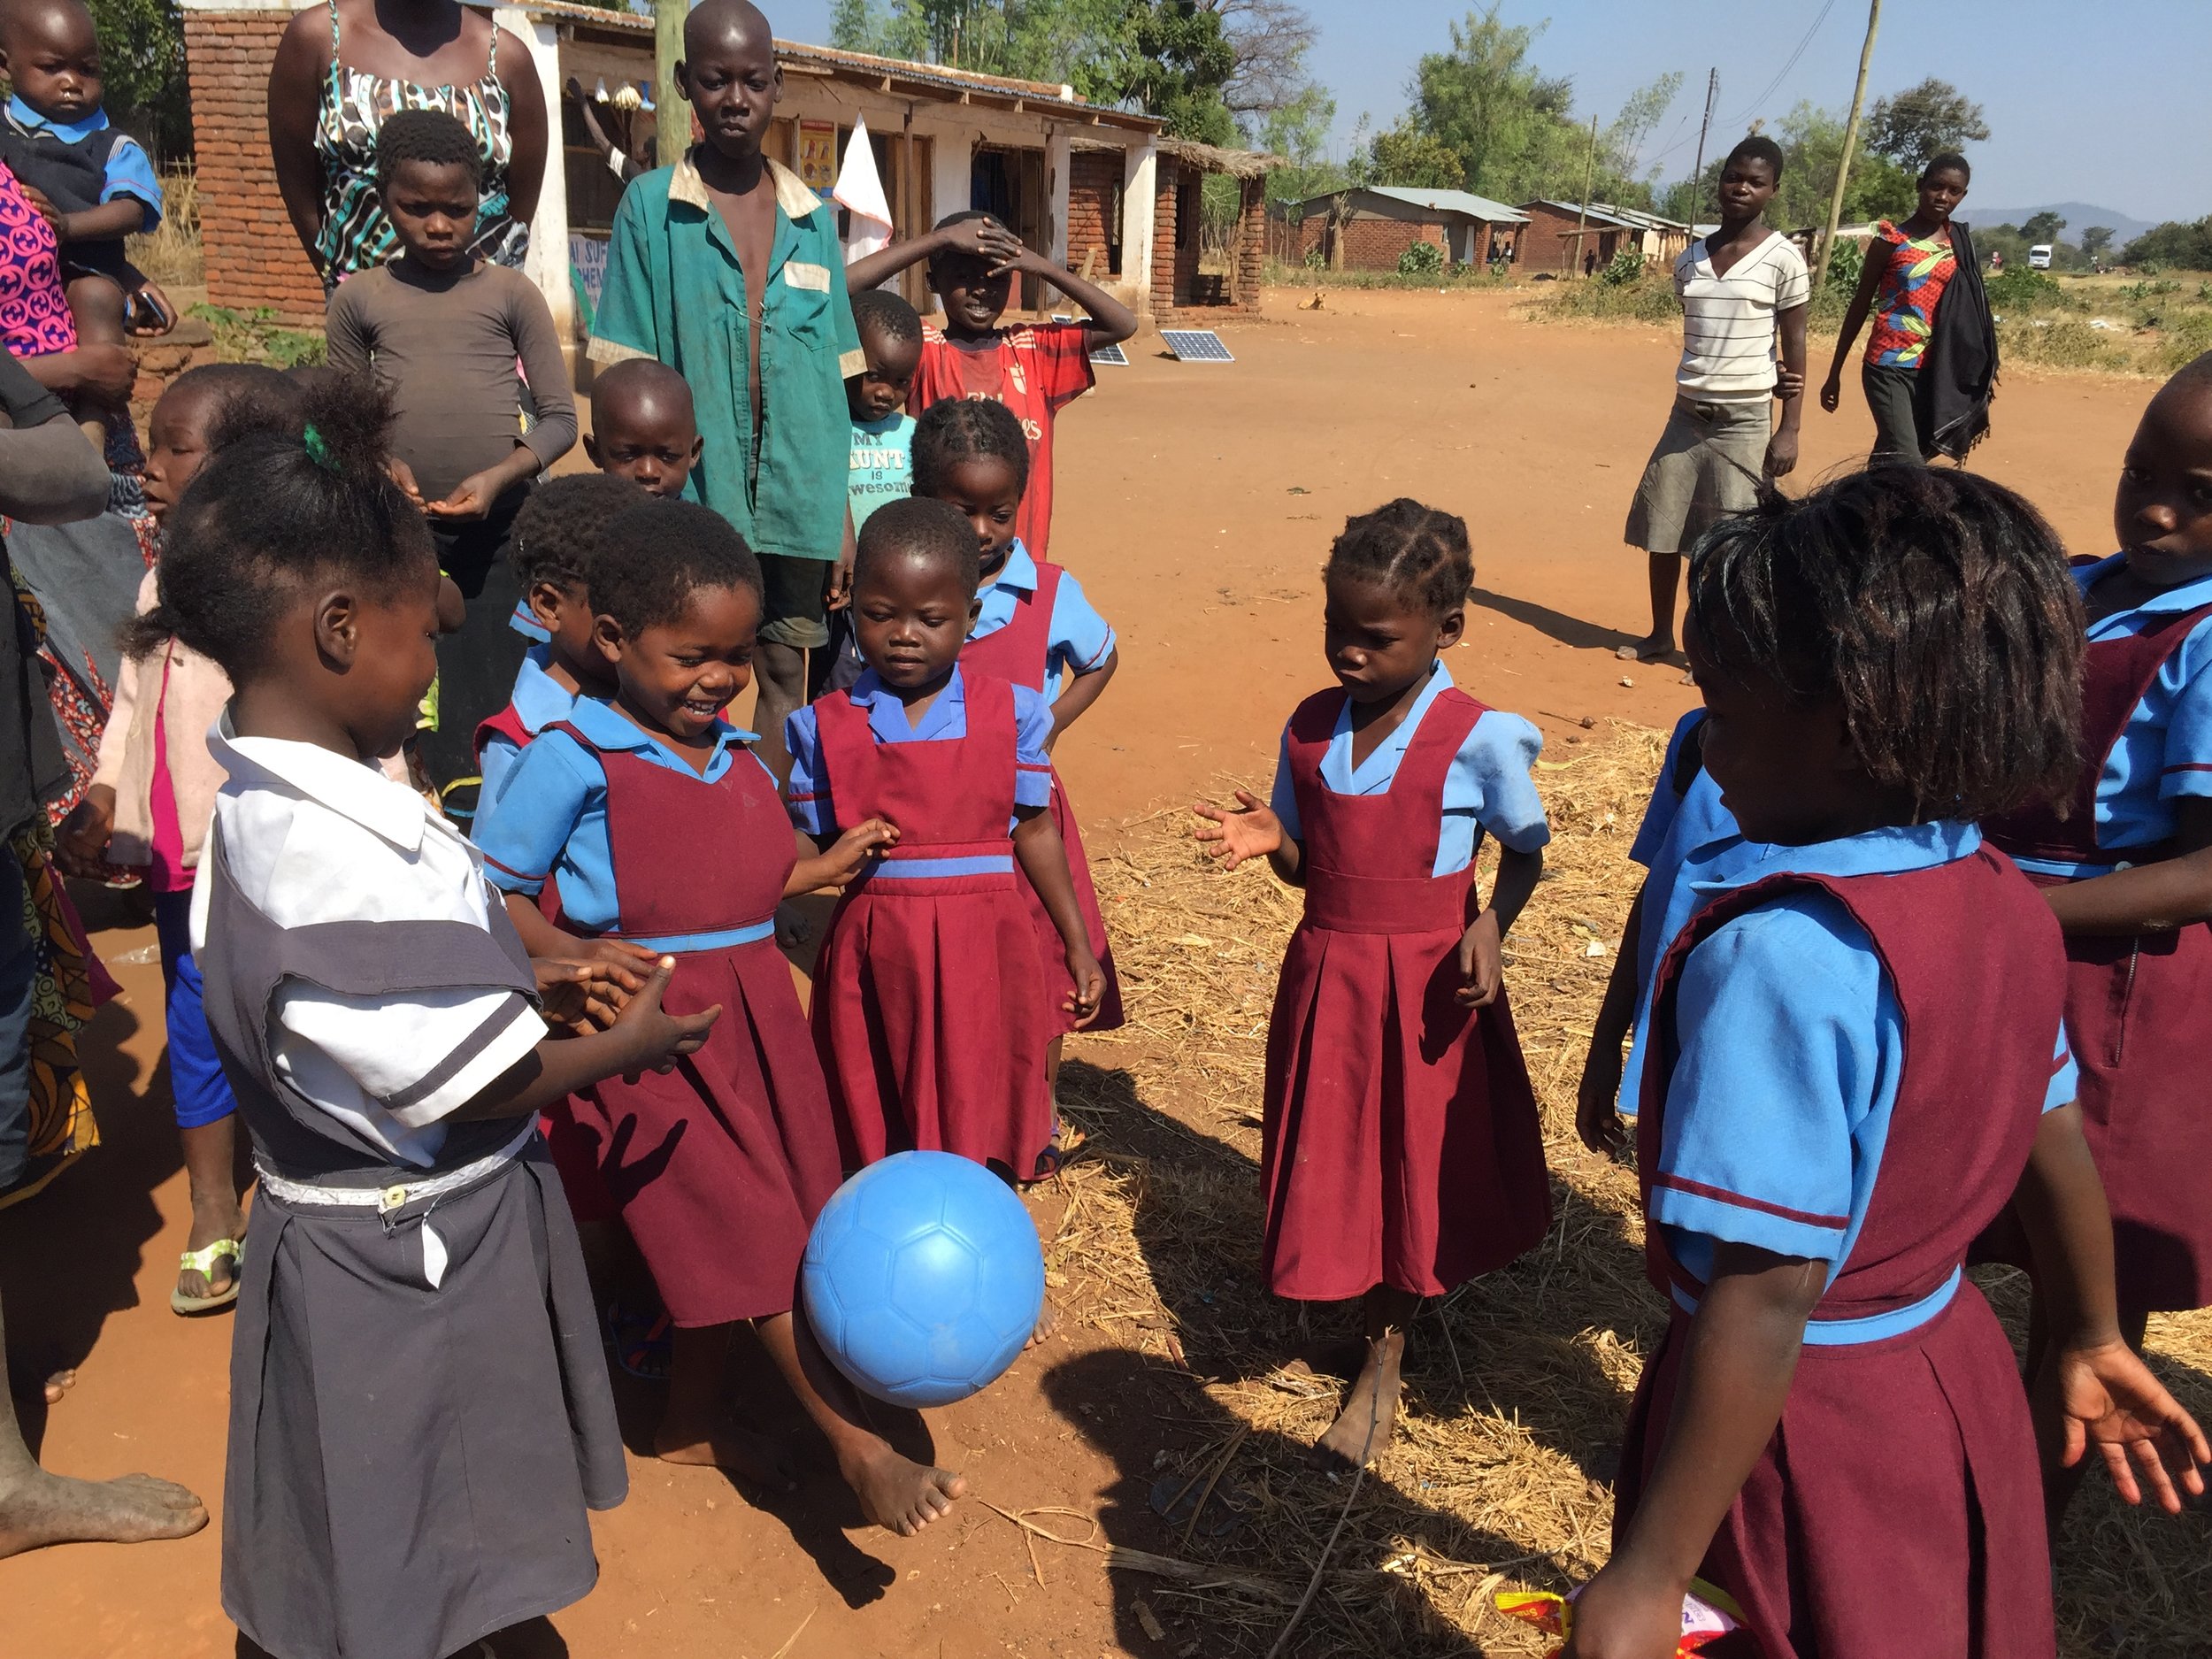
pixel 674 290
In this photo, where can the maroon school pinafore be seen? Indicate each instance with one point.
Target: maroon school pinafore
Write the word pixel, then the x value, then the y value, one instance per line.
pixel 2138 1010
pixel 1898 1509
pixel 926 1010
pixel 1018 652
pixel 719 1167
pixel 1400 1144
pixel 507 723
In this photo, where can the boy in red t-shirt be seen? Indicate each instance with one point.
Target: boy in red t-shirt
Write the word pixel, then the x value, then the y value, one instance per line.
pixel 1031 368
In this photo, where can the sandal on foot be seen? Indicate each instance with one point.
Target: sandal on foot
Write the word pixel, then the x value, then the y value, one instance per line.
pixel 203 1262
pixel 1070 1146
pixel 640 1341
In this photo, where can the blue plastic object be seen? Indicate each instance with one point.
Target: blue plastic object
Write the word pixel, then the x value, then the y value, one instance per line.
pixel 923 1279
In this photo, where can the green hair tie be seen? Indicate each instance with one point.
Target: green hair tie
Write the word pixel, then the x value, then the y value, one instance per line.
pixel 319 450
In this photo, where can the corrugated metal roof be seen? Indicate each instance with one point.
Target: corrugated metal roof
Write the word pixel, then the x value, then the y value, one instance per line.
pixel 1461 202
pixel 1606 217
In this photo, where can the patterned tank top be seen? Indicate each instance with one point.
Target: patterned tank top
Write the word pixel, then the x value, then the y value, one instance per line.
pixel 356 235
pixel 1914 273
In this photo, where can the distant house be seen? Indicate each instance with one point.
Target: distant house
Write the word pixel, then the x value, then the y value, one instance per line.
pixel 1561 234
pixel 1368 228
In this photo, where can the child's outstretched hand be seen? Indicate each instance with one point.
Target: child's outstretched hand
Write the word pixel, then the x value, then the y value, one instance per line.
pixel 659 1040
pixel 2105 1395
pixel 853 851
pixel 82 847
pixel 470 499
pixel 1232 835
pixel 1090 985
pixel 1481 972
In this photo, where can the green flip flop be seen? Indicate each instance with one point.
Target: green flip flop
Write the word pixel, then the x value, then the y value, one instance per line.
pixel 203 1262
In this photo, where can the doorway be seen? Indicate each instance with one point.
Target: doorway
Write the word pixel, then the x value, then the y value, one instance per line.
pixel 1011 186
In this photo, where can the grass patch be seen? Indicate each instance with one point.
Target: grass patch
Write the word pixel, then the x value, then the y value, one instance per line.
pixel 1278 274
pixel 256 336
pixel 172 253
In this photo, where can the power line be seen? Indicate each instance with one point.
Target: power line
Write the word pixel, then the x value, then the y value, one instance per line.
pixel 1758 102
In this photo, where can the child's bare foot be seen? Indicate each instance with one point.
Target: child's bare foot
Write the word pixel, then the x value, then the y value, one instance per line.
pixel 43 1508
pixel 1362 1429
pixel 1651 649
pixel 1047 1326
pixel 721 1444
pixel 896 1493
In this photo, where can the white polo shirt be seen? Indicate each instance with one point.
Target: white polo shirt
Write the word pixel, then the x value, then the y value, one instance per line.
pixel 311 836
pixel 1728 321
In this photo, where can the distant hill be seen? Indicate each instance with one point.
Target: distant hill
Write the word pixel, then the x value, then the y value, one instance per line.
pixel 2079 216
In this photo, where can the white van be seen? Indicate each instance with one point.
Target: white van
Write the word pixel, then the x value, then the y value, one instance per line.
pixel 2039 256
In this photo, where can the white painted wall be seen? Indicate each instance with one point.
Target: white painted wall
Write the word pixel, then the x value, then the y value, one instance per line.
pixel 1057 153
pixel 1140 176
pixel 546 263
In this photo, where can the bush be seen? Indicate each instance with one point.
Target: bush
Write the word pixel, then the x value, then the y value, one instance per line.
pixel 1423 258
pixel 1846 265
pixel 1315 259
pixel 1625 267
pixel 2017 288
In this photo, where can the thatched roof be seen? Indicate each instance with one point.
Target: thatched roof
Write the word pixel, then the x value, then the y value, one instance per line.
pixel 1238 163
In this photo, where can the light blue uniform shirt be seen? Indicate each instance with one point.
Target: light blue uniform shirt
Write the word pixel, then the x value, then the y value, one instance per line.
pixel 2166 751
pixel 1675 827
pixel 1792 1047
pixel 947 717
pixel 1079 638
pixel 130 170
pixel 547 816
pixel 1487 787
pixel 541 700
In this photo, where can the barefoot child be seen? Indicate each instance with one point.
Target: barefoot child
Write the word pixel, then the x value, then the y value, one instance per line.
pixel 1401 1154
pixel 149 805
pixel 1035 369
pixel 643 427
pixel 445 330
pixel 1857 1060
pixel 646 820
pixel 419 1410
pixel 2128 870
pixel 928 1012
pixel 1036 629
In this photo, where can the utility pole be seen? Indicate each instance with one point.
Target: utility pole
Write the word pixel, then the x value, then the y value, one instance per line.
pixel 1850 143
pixel 1697 170
pixel 671 116
pixel 1589 176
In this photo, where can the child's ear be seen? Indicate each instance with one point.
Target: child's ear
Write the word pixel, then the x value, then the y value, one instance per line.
pixel 683 78
pixel 337 623
pixel 1451 630
pixel 545 599
pixel 975 609
pixel 698 448
pixel 607 636
pixel 591 449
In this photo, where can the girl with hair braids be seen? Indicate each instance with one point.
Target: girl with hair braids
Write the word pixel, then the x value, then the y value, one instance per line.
pixel 419 1408
pixel 1402 1154
pixel 1856 1060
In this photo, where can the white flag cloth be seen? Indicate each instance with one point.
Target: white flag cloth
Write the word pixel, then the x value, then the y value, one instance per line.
pixel 859 190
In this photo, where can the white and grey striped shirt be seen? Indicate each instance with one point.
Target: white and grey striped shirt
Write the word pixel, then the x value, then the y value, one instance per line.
pixel 1728 350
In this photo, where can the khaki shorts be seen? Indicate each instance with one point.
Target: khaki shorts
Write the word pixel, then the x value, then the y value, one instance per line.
pixel 1708 466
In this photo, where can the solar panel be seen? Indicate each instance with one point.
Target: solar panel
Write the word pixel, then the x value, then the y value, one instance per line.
pixel 1196 345
pixel 1112 354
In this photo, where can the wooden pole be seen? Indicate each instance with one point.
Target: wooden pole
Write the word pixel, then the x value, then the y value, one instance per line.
pixel 1589 178
pixel 1697 168
pixel 672 115
pixel 1850 143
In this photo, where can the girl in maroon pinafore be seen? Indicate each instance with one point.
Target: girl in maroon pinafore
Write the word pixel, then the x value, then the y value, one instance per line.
pixel 1857 1060
pixel 1402 1154
pixel 2128 869
pixel 1035 629
pixel 929 1012
pixel 646 820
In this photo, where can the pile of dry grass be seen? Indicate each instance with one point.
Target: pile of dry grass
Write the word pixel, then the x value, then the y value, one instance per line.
pixel 1518 1385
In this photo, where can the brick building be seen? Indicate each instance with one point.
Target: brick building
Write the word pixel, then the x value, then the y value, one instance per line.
pixel 1083 184
pixel 1370 228
pixel 1561 234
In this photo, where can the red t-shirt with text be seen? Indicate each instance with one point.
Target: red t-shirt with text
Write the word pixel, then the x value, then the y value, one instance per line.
pixel 1032 369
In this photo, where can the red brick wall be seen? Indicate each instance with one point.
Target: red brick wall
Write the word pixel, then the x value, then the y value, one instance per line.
pixel 1093 181
pixel 1251 245
pixel 1547 240
pixel 253 259
pixel 1164 236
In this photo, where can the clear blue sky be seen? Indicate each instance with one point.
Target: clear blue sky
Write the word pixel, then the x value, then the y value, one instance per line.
pixel 2103 104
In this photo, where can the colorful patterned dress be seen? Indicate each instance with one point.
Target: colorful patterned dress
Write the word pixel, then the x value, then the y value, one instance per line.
pixel 1914 273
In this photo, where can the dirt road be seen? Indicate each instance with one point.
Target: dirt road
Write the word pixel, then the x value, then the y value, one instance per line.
pixel 1196 502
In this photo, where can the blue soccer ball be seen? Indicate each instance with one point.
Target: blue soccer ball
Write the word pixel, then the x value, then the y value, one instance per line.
pixel 923 1277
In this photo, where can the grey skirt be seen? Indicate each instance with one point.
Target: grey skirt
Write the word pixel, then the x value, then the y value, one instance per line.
pixel 1708 465
pixel 410 1468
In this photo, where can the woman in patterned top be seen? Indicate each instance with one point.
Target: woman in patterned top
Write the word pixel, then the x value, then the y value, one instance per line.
pixel 329 94
pixel 1910 267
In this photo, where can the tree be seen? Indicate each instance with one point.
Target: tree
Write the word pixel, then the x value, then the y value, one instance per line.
pixel 1922 122
pixel 1269 39
pixel 1415 160
pixel 1299 133
pixel 2096 240
pixel 2173 243
pixel 1184 59
pixel 141 53
pixel 2044 227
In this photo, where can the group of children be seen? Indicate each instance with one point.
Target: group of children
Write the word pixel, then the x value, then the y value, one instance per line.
pixel 1864 1050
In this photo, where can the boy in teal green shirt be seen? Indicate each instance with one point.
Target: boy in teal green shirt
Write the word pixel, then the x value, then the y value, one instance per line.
pixel 728 269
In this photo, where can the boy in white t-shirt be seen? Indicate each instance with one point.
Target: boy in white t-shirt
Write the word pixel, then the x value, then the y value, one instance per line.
pixel 1739 287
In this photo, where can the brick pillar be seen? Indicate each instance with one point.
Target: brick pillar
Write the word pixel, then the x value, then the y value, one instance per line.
pixel 1251 243
pixel 254 261
pixel 1164 237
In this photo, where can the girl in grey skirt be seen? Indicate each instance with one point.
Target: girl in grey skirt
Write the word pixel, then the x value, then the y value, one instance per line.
pixel 420 1417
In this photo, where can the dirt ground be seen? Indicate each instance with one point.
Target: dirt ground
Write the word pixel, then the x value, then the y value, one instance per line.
pixel 1196 502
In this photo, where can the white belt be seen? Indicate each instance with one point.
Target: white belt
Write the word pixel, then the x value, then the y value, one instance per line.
pixel 384 1200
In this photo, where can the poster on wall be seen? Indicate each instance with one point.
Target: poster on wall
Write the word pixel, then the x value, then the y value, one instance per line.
pixel 817 156
pixel 587 274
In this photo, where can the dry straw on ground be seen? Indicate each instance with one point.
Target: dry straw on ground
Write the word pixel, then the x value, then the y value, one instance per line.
pixel 1518 1387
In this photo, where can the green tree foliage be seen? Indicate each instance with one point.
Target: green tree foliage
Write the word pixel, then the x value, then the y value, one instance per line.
pixel 1299 133
pixel 1812 144
pixel 1422 259
pixel 141 55
pixel 2188 247
pixel 1408 156
pixel 2096 240
pixel 2044 227
pixel 1922 122
pixel 1183 60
